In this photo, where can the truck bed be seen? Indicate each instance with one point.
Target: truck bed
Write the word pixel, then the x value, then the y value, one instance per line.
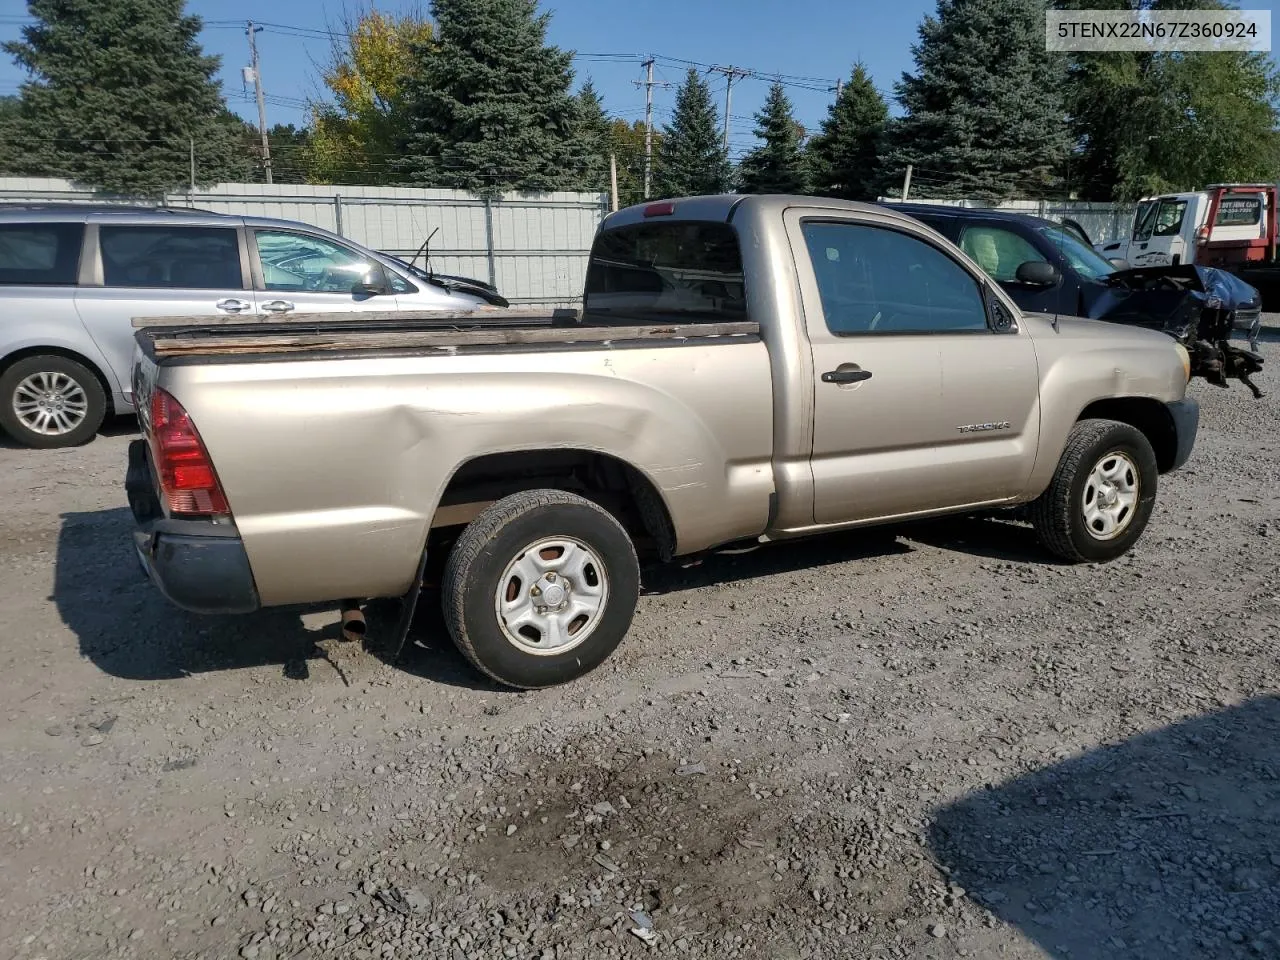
pixel 231 337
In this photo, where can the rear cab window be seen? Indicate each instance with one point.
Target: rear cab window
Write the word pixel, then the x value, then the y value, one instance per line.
pixel 690 270
pixel 192 258
pixel 40 254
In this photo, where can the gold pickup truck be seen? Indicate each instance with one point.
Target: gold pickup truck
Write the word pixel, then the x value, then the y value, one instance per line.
pixel 743 369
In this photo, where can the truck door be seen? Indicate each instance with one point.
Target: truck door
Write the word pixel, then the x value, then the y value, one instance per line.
pixel 900 338
pixel 1166 233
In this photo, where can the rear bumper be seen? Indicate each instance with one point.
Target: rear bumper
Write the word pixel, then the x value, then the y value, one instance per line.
pixel 1185 415
pixel 199 566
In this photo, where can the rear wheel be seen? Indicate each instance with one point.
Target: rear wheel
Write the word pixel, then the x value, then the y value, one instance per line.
pixel 540 588
pixel 1101 495
pixel 51 401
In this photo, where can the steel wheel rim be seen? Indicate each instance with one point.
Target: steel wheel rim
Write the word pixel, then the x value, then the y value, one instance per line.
pixel 1110 498
pixel 552 596
pixel 50 403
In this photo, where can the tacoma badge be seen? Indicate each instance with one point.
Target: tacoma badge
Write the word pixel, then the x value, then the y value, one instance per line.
pixel 980 427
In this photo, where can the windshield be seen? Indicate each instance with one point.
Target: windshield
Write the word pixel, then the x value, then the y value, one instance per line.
pixel 1163 219
pixel 1083 259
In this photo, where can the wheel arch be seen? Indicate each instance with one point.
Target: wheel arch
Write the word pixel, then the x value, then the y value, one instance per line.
pixel 617 486
pixel 23 353
pixel 1148 416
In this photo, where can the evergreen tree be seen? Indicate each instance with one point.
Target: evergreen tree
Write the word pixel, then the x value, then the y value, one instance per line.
pixel 777 165
pixel 1154 122
pixel 692 160
pixel 117 93
pixel 591 140
pixel 984 111
pixel 844 158
pixel 489 106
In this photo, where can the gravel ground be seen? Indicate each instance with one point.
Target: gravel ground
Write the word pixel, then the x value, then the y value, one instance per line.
pixel 924 742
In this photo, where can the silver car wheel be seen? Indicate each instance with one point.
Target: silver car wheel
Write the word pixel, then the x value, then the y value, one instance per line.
pixel 552 596
pixel 1110 497
pixel 50 403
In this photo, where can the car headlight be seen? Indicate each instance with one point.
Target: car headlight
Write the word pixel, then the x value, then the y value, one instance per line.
pixel 1186 359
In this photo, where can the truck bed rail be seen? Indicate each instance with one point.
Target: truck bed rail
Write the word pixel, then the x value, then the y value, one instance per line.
pixel 310 333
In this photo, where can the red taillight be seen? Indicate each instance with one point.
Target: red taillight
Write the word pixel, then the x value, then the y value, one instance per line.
pixel 1202 234
pixel 187 478
pixel 660 209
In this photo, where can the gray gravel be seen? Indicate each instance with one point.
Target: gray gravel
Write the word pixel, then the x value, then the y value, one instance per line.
pixel 926 742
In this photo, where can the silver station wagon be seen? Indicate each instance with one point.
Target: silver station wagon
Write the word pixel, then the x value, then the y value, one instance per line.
pixel 72 278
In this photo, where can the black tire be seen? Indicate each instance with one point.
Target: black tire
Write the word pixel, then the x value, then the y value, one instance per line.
pixel 1058 514
pixel 502 534
pixel 94 399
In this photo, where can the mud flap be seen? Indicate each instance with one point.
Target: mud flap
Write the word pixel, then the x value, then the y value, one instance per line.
pixel 408 606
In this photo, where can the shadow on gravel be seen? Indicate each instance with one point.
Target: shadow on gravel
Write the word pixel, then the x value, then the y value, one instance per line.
pixel 786 556
pixel 997 538
pixel 1165 846
pixel 121 426
pixel 128 629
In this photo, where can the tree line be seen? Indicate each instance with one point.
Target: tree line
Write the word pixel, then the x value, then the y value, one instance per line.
pixel 121 97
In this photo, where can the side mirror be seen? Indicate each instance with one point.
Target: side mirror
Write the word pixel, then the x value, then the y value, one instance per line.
pixel 1037 273
pixel 1120 264
pixel 375 283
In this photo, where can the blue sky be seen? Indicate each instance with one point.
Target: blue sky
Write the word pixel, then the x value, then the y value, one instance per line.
pixel 817 40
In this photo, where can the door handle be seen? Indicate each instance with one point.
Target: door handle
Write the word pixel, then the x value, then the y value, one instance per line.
pixel 846 376
pixel 232 305
pixel 277 306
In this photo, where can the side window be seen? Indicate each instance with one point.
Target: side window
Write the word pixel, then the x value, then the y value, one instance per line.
pixel 40 254
pixel 877 280
pixel 193 258
pixel 297 262
pixel 999 252
pixel 1238 212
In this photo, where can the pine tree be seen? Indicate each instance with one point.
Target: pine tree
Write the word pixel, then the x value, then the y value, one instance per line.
pixel 490 108
pixel 117 93
pixel 985 116
pixel 777 165
pixel 591 141
pixel 692 159
pixel 844 158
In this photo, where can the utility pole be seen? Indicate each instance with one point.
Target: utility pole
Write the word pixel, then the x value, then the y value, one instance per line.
pixel 906 184
pixel 252 31
pixel 191 142
pixel 730 74
pixel 613 180
pixel 648 85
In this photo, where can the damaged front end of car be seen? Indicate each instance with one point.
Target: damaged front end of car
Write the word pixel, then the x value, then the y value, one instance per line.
pixel 1198 306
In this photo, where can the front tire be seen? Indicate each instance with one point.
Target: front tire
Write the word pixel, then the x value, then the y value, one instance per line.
pixel 1101 495
pixel 540 588
pixel 51 401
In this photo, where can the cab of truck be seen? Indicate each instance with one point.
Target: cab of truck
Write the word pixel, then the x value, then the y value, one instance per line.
pixel 1225 225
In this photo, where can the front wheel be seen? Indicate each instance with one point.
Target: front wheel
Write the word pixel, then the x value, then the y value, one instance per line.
pixel 1101 495
pixel 540 588
pixel 51 401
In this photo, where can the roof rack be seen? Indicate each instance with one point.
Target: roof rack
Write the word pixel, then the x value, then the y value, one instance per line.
pixel 80 207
